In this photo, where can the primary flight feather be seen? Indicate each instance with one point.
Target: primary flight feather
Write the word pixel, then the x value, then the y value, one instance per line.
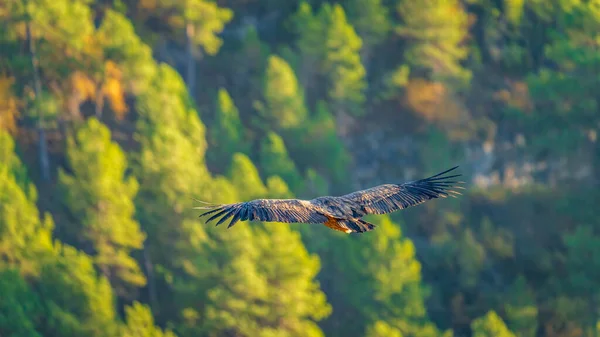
pixel 343 213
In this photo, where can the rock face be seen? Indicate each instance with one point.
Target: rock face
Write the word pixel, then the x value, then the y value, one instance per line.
pixel 381 154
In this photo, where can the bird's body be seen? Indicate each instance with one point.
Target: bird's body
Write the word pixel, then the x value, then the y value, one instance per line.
pixel 342 213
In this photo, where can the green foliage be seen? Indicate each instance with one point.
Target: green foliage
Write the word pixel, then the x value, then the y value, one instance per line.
pixel 24 237
pixel 45 108
pixel 289 270
pixel 382 329
pixel 259 278
pixel 20 308
pixel 10 163
pixel 471 257
pixel 278 188
pixel 50 14
pixel 556 91
pixel 437 30
pixel 490 325
pixel 202 19
pixel 65 297
pixel 383 262
pixel 509 87
pixel 247 67
pixel 119 41
pixel 170 134
pixel 315 184
pixel 521 309
pixel 311 30
pixel 514 10
pixel 100 197
pixel 140 323
pixel 245 178
pixel 330 46
pixel 343 64
pixel 582 250
pixel 371 20
pixel 52 22
pixel 171 169
pixel 274 160
pixel 227 133
pixel 284 100
pixel 319 146
pixel 77 300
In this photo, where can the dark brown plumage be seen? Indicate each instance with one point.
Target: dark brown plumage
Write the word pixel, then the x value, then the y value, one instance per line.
pixel 342 213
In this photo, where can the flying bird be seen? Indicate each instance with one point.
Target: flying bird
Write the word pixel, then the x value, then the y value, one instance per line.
pixel 341 213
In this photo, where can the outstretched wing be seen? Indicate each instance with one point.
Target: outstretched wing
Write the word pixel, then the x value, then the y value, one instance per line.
pixel 388 198
pixel 275 210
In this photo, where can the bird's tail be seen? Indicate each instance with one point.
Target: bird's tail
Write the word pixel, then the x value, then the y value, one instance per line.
pixel 358 225
pixel 365 226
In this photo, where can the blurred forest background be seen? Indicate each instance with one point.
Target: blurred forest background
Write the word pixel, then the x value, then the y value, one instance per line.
pixel 114 114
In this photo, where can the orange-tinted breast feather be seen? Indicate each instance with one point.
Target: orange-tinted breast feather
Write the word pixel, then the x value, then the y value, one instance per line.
pixel 333 224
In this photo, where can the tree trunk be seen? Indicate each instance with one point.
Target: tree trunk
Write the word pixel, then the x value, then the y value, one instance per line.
pixel 37 87
pixel 99 102
pixel 190 77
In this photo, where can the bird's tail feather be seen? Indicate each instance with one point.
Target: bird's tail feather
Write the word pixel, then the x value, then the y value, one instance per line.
pixel 365 226
pixel 357 225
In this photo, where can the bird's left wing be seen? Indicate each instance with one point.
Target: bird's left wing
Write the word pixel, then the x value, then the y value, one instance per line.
pixel 275 210
pixel 388 198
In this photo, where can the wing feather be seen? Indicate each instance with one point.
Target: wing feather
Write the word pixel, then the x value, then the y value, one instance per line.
pixel 388 198
pixel 270 210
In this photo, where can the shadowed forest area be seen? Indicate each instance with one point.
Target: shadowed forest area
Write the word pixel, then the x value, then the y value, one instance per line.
pixel 115 114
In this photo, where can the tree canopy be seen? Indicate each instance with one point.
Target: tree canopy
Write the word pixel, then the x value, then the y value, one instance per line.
pixel 116 115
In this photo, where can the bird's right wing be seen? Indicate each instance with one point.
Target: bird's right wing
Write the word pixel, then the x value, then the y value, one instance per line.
pixel 270 210
pixel 388 198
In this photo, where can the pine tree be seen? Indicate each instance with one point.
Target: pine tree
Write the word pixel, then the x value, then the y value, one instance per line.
pixel 330 49
pixel 253 279
pixel 258 280
pixel 284 99
pixel 382 329
pixel 24 237
pixel 77 301
pixel 99 195
pixel 559 108
pixel 277 188
pixel 140 323
pixel 32 24
pixel 218 291
pixel 20 307
pixel 246 68
pixel 314 184
pixel 295 299
pixel 372 23
pixel 437 30
pixel 274 160
pixel 490 325
pixel 171 169
pixel 200 21
pixel 383 262
pixel 582 261
pixel 245 178
pixel 346 73
pixel 120 44
pixel 320 147
pixel 227 134
pixel 8 106
pixel 310 29
pixel 521 309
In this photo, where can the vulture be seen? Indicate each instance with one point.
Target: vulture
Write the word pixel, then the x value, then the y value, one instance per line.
pixel 341 213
